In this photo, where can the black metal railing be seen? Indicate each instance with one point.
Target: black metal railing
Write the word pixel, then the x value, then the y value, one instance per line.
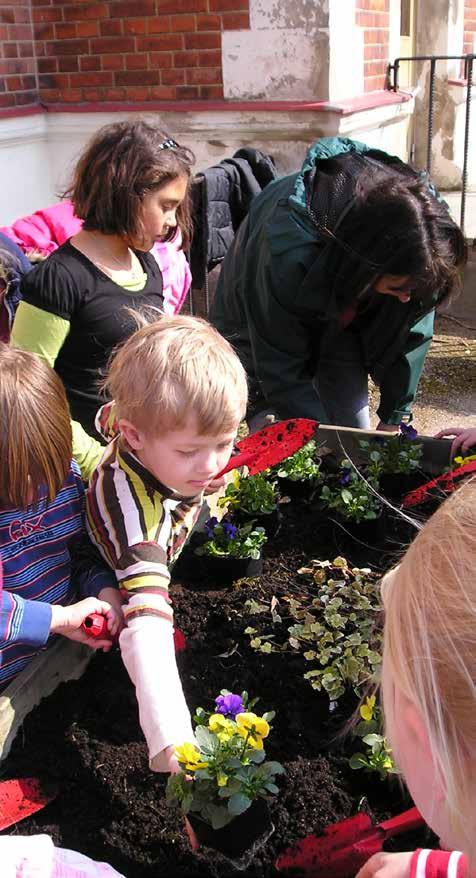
pixel 393 77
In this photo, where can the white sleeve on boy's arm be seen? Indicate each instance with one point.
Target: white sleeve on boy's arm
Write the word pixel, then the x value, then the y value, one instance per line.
pixel 148 652
pixel 132 531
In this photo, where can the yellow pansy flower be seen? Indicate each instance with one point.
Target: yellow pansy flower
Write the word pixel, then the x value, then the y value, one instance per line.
pixel 367 709
pixel 461 461
pixel 222 780
pixel 223 728
pixel 254 727
pixel 189 757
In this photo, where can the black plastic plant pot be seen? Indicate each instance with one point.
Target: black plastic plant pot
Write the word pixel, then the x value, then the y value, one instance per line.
pixel 270 521
pixel 247 832
pixel 370 532
pixel 296 489
pixel 224 571
pixel 395 486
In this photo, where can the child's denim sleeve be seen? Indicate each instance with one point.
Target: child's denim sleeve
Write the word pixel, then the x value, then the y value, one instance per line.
pixel 89 573
pixel 23 621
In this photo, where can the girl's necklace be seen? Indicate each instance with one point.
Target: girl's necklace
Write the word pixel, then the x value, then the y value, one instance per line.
pixel 111 257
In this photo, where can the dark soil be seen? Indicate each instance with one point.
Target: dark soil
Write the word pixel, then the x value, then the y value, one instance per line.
pixel 86 736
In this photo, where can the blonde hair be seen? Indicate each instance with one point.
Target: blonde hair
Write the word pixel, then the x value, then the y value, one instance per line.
pixel 430 647
pixel 35 434
pixel 174 367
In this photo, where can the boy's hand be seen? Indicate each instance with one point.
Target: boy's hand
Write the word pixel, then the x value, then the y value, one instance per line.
pixel 383 865
pixel 465 438
pixel 171 763
pixel 68 621
pixel 115 619
pixel 215 485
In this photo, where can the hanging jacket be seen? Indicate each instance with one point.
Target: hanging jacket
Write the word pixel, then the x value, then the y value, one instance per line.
pixel 276 300
pixel 221 198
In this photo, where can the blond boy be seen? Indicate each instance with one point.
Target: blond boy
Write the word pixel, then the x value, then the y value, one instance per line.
pixel 180 394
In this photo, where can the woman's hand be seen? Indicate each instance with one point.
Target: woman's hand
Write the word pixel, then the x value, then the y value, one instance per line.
pixel 383 865
pixel 387 428
pixel 465 438
pixel 68 621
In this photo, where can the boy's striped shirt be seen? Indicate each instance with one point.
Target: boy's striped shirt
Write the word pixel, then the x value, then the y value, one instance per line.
pixel 139 526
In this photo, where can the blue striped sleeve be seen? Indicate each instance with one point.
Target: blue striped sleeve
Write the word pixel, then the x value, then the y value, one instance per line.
pixel 23 621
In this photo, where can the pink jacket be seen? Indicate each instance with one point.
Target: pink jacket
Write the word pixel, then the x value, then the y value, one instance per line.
pixel 45 230
pixel 36 856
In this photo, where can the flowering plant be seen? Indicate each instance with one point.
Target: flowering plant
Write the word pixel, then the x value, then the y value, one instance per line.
pixel 350 495
pixel 333 624
pixel 378 755
pixel 394 454
pixel 302 466
pixel 225 770
pixel 252 495
pixel 228 540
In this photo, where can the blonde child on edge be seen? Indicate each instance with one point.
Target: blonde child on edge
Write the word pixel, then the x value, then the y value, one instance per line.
pixel 180 393
pixel 429 688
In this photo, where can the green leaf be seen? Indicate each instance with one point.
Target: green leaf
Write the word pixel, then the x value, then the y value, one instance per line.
pixel 256 756
pixel 206 740
pixel 238 803
pixel 220 817
pixel 358 760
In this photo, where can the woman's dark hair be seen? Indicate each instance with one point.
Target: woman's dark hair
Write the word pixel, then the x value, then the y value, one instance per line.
pixel 398 226
pixel 121 164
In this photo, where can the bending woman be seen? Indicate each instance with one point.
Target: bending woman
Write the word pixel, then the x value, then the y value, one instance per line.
pixel 334 276
pixel 130 188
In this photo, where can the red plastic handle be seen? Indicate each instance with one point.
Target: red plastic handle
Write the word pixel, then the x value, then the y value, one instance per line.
pixel 410 819
pixel 95 625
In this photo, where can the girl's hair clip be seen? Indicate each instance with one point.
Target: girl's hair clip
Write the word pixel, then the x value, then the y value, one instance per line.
pixel 169 144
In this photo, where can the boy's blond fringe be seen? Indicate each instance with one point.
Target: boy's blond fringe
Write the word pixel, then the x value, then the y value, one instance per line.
pixel 174 368
pixel 430 648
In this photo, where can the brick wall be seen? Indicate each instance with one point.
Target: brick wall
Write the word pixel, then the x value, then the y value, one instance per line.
pixel 469 25
pixel 18 85
pixel 374 17
pixel 132 50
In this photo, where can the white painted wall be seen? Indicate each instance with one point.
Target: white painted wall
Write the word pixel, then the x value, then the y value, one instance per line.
pixel 25 174
pixel 346 51
pixel 284 54
pixel 37 153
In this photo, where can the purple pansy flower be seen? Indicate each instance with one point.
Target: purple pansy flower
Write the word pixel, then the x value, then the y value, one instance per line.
pixel 210 526
pixel 229 705
pixel 407 431
pixel 229 530
pixel 345 478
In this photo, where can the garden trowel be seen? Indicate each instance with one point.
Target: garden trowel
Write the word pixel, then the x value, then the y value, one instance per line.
pixel 446 483
pixel 272 445
pixel 344 847
pixel 21 797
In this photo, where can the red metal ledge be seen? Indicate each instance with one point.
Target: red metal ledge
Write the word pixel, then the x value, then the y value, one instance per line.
pixel 369 101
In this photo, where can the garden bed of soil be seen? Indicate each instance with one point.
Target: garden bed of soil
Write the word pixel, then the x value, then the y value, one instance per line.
pixel 86 736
